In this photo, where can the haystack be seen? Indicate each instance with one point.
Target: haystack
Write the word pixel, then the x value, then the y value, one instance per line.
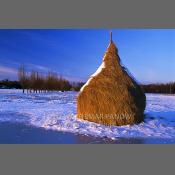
pixel 111 96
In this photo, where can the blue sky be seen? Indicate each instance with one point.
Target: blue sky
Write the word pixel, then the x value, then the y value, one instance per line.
pixel 149 54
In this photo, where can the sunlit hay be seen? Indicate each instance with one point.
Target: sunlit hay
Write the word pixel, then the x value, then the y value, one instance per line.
pixel 111 96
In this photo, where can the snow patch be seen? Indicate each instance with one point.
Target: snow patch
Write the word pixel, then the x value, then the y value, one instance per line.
pixel 102 66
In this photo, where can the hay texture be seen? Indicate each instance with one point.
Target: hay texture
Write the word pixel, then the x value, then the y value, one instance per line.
pixel 111 96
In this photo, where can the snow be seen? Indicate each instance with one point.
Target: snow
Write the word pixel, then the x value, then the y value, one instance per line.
pixel 57 111
pixel 99 69
pixel 102 66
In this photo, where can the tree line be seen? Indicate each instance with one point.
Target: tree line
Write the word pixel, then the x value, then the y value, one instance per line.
pixel 37 82
pixel 7 84
pixel 166 88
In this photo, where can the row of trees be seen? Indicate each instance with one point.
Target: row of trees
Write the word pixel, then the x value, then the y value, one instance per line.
pixel 168 88
pixel 36 82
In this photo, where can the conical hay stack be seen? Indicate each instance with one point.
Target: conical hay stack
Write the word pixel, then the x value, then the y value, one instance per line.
pixel 111 96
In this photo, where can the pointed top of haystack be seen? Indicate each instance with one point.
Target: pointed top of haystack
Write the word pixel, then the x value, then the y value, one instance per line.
pixel 111 37
pixel 112 47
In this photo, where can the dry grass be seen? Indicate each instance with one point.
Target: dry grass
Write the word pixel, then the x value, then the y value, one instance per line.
pixel 112 97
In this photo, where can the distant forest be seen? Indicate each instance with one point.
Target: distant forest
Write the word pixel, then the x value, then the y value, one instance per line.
pixel 166 88
pixel 36 82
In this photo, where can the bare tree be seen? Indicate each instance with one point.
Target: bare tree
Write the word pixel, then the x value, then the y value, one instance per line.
pixel 22 75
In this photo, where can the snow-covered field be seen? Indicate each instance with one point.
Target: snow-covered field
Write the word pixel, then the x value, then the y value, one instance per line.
pixel 57 111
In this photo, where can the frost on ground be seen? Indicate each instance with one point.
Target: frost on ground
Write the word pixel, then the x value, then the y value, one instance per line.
pixel 57 111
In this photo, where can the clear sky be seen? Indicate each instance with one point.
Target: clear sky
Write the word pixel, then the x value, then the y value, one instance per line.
pixel 76 54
